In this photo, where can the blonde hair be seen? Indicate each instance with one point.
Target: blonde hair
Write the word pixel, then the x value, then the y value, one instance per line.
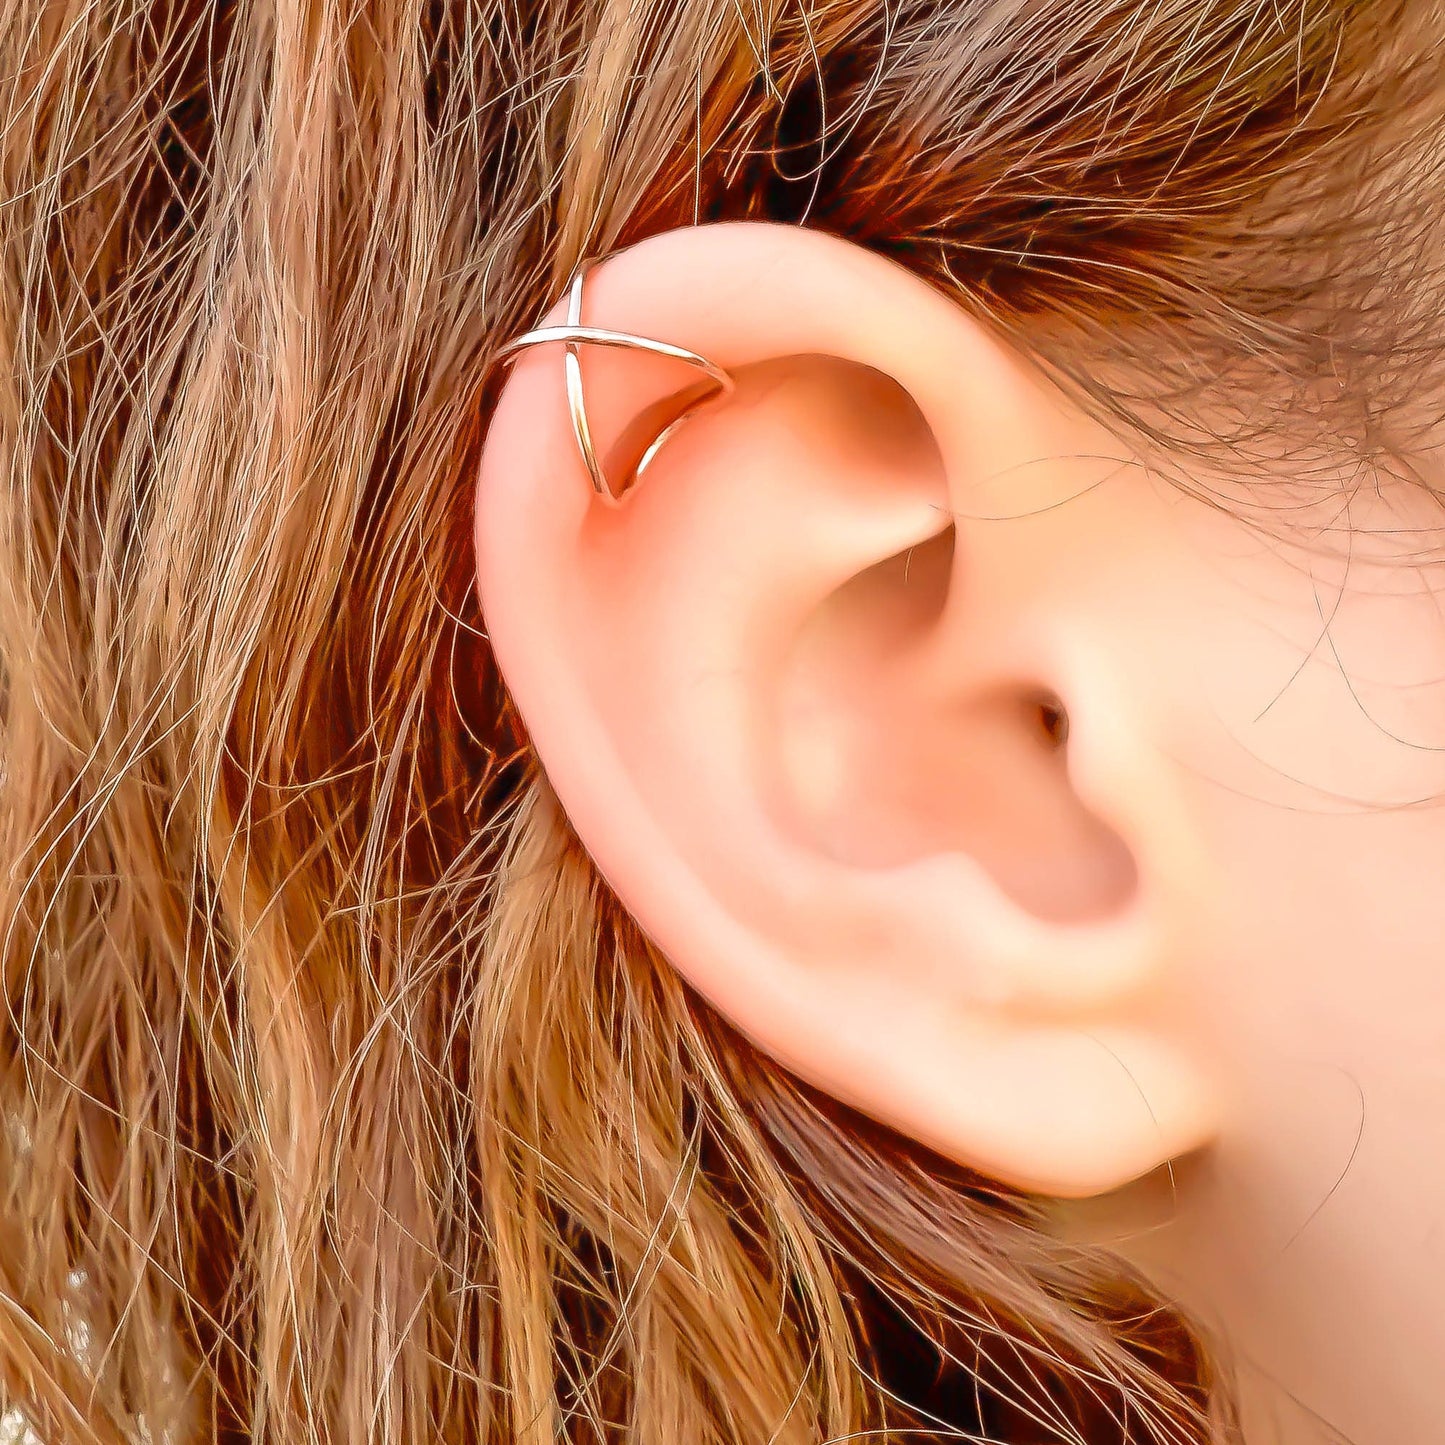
pixel 342 1100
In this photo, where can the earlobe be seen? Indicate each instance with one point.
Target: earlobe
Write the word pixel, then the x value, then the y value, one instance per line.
pixel 820 779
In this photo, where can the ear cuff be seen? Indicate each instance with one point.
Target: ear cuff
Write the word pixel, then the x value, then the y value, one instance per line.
pixel 575 332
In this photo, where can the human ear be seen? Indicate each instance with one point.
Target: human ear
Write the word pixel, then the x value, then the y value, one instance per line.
pixel 802 697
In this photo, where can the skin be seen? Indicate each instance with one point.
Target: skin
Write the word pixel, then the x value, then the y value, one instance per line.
pixel 1309 1233
pixel 799 692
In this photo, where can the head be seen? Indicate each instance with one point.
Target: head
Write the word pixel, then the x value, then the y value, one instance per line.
pixel 898 924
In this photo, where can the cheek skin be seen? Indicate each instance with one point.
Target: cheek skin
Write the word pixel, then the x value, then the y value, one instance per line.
pixel 1301 692
pixel 1312 1233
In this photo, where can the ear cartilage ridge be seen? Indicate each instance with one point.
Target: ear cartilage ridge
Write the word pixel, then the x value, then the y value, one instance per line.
pixel 573 333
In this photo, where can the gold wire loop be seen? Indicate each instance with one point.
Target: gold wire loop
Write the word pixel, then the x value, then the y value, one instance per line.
pixel 573 333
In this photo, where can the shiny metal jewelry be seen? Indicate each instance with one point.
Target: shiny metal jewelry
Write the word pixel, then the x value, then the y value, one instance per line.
pixel 572 333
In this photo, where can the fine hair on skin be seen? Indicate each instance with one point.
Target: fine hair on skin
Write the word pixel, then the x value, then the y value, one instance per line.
pixel 342 1100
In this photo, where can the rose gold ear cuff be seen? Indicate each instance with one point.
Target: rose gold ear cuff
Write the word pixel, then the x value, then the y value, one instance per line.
pixel 572 333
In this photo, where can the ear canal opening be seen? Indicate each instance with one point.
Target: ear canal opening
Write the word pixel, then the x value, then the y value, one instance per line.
pixel 1053 718
pixel 888 766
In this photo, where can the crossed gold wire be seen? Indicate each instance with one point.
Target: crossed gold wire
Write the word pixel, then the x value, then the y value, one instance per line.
pixel 574 332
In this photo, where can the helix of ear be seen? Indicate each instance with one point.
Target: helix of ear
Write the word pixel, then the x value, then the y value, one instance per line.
pixel 641 439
